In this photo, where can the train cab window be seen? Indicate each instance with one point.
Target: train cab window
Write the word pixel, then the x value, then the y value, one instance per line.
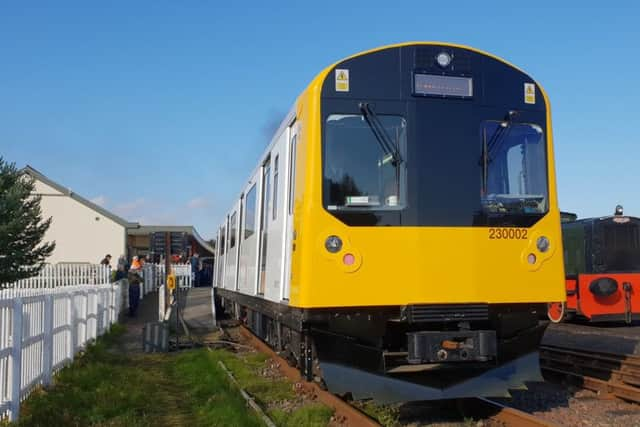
pixel 363 165
pixel 514 168
pixel 250 213
pixel 618 247
pixel 232 231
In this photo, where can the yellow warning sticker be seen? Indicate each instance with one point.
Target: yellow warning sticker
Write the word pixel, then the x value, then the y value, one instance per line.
pixel 342 80
pixel 171 282
pixel 529 93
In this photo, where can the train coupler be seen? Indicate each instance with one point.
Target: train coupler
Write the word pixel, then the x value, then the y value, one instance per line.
pixel 451 346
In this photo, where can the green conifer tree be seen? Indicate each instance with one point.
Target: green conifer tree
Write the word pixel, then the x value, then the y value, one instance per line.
pixel 22 252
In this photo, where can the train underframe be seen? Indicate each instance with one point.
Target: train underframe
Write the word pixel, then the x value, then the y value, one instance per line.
pixel 420 352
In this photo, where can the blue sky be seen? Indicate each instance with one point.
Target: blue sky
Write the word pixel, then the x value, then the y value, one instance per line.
pixel 159 110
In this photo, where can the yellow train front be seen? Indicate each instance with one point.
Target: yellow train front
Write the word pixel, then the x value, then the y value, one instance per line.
pixel 425 236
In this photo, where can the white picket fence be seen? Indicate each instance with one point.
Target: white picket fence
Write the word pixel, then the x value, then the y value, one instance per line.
pixel 42 329
pixel 56 275
pixel 154 276
pixel 56 314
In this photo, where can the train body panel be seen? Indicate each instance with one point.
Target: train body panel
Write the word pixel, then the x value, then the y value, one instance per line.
pixel 414 265
pixel 420 264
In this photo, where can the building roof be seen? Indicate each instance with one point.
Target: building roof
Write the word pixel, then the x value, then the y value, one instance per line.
pixel 189 229
pixel 68 192
pixel 133 228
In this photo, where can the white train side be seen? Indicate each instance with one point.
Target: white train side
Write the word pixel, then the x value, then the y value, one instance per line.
pixel 253 251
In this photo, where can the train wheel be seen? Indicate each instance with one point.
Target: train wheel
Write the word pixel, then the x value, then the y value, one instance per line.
pixel 556 311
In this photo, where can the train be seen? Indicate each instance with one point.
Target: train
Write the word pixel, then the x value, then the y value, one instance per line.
pixel 602 266
pixel 399 238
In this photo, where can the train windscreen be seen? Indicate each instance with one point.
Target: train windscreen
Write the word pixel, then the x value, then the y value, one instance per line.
pixel 514 168
pixel 363 167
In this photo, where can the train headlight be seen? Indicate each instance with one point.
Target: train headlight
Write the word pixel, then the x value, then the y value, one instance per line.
pixel 443 59
pixel 542 244
pixel 333 244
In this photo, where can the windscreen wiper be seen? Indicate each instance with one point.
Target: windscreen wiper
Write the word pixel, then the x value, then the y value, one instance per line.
pixel 389 148
pixel 490 147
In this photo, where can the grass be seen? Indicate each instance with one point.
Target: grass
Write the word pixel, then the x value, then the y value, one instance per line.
pixel 106 388
pixel 272 393
pixel 386 415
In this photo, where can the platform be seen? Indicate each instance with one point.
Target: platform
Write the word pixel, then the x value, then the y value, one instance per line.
pixel 606 338
pixel 197 310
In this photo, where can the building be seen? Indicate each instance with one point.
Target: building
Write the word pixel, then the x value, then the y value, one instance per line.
pixel 85 232
pixel 149 240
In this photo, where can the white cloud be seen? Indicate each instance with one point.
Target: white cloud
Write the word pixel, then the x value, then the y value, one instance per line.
pixel 198 203
pixel 100 200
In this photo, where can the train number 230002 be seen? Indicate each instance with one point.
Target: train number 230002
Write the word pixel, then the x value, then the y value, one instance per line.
pixel 508 233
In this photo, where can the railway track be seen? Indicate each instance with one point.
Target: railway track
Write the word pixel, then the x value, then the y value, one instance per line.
pixel 607 373
pixel 478 408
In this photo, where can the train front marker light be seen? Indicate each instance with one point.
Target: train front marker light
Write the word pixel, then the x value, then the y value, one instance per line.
pixel 348 259
pixel 443 59
pixel 531 259
pixel 333 244
pixel 542 244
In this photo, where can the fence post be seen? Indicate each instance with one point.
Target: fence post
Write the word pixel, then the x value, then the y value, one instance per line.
pixel 161 302
pixel 16 360
pixel 85 318
pixel 113 301
pixel 47 351
pixel 74 327
pixel 96 311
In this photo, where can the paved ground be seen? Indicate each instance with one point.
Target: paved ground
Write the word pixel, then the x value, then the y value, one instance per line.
pixel 131 340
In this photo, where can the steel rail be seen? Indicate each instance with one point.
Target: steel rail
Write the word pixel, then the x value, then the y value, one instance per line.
pixel 503 415
pixel 343 411
pixel 613 374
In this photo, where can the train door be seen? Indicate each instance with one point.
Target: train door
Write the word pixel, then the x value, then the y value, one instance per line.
pixel 231 256
pixel 220 255
pixel 289 231
pixel 275 219
pixel 248 239
pixel 264 225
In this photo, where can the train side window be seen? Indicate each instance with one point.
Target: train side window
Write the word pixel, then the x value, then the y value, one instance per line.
pixel 250 213
pixel 232 231
pixel 222 240
pixel 275 188
pixel 292 173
